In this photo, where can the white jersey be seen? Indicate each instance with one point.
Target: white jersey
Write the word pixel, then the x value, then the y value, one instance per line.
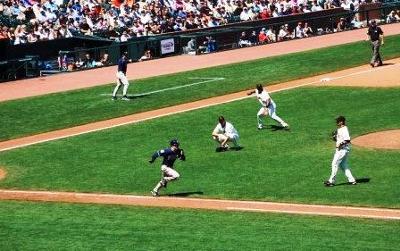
pixel 342 135
pixel 228 130
pixel 264 98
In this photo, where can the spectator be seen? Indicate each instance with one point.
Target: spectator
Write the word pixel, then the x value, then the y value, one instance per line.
pixel 105 60
pixel 271 35
pixel 284 33
pixel 392 17
pixel 299 30
pixel 253 38
pixel 191 47
pixel 88 62
pixel 146 56
pixel 262 37
pixel 246 14
pixel 244 40
pixel 342 25
pixel 307 30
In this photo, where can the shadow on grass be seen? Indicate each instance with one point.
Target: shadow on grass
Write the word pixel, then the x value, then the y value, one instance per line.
pixel 184 194
pixel 277 128
pixel 360 180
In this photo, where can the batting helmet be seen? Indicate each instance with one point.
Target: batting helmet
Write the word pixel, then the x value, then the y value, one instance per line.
pixel 174 142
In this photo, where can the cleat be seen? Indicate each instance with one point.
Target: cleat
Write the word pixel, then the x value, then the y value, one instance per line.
pixel 260 127
pixel 352 183
pixel 372 65
pixel 114 98
pixel 328 184
pixel 125 98
pixel 154 193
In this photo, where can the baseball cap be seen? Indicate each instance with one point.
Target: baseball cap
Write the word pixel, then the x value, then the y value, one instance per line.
pixel 174 142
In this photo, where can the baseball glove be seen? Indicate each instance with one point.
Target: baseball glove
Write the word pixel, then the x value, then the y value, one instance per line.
pixel 333 135
pixel 182 155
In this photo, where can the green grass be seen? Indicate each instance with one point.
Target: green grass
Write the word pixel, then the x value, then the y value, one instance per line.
pixel 48 226
pixel 45 113
pixel 274 165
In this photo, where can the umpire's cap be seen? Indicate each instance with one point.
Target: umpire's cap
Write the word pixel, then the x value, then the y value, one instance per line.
pixel 174 142
pixel 340 119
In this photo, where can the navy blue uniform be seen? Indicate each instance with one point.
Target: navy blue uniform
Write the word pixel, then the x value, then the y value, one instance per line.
pixel 122 65
pixel 169 156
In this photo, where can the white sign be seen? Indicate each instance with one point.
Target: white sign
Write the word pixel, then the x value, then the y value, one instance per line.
pixel 167 46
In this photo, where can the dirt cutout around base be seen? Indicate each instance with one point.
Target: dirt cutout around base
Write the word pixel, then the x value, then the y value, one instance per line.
pixel 3 173
pixel 384 76
pixel 379 140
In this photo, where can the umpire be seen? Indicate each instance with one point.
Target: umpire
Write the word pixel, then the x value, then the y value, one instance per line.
pixel 375 35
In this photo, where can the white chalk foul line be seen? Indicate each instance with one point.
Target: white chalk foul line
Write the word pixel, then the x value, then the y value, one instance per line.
pixel 312 213
pixel 189 109
pixel 207 80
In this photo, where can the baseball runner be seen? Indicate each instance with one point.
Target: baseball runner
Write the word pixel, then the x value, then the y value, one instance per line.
pixel 224 133
pixel 121 78
pixel 268 107
pixel 375 36
pixel 342 138
pixel 168 173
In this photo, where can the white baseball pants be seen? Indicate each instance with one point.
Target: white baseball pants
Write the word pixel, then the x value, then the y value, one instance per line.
pixel 340 160
pixel 271 109
pixel 232 138
pixel 121 80
pixel 167 174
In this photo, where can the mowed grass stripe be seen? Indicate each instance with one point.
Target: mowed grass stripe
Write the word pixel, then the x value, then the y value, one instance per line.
pixel 273 166
pixel 50 226
pixel 55 111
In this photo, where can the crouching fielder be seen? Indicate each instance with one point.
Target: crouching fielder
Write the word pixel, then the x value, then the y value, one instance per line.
pixel 224 133
pixel 268 107
pixel 168 173
pixel 342 138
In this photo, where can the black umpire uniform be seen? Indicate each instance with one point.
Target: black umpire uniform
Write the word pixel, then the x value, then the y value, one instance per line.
pixel 375 33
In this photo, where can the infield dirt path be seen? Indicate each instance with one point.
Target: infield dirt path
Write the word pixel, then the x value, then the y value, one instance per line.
pixel 77 80
pixel 58 83
pixel 209 204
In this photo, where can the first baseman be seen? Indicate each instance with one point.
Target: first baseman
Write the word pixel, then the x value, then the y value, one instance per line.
pixel 342 138
pixel 268 107
pixel 224 133
pixel 121 77
pixel 168 173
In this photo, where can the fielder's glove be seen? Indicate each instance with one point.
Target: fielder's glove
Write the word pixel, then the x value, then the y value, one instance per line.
pixel 182 155
pixel 333 135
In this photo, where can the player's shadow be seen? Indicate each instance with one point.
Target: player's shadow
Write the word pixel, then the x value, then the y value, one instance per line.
pixel 185 194
pixel 277 128
pixel 386 64
pixel 136 96
pixel 359 180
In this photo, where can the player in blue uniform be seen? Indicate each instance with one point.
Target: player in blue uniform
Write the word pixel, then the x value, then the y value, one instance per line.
pixel 168 173
pixel 121 77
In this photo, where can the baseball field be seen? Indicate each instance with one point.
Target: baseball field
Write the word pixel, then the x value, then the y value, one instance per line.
pixel 279 166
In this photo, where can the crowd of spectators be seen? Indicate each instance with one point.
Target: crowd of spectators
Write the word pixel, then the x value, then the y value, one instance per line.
pixel 121 20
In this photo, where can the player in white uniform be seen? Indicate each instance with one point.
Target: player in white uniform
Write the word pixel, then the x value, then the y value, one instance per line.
pixel 223 133
pixel 342 138
pixel 268 107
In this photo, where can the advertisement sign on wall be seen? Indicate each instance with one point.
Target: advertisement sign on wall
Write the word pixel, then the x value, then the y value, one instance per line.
pixel 167 46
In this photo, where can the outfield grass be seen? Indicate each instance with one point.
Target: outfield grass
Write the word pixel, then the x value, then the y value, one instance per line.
pixel 274 165
pixel 45 113
pixel 48 226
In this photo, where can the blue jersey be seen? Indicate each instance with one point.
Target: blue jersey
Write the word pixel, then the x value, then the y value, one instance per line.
pixel 169 156
pixel 122 65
